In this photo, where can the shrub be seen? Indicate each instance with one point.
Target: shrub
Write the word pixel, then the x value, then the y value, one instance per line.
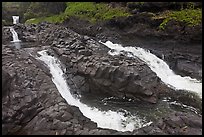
pixel 190 17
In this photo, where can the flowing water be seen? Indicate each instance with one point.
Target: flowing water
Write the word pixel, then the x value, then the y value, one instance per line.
pixel 16 41
pixel 15 19
pixel 118 120
pixel 14 35
pixel 158 66
pixel 110 113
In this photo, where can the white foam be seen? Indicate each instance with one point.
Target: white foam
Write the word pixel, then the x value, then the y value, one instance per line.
pixel 104 119
pixel 159 67
pixel 15 19
pixel 14 35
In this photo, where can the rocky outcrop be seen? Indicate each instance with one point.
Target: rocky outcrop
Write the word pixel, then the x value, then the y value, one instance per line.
pixel 6 83
pixel 99 73
pixel 36 107
pixel 26 33
pixel 188 63
pixel 177 123
pixel 6 35
pixel 142 29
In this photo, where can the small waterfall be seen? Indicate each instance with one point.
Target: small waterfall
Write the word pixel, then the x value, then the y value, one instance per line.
pixel 158 66
pixel 14 34
pixel 16 41
pixel 120 120
pixel 15 19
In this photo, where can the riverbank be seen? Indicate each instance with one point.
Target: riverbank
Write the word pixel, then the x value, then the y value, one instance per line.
pixel 181 51
pixel 174 32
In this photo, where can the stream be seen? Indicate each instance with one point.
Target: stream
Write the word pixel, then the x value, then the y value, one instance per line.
pixel 104 111
pixel 158 66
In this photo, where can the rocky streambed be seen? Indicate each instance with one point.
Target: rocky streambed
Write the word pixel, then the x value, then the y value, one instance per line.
pixel 31 103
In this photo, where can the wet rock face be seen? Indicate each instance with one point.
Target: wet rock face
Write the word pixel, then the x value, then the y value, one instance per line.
pixel 185 64
pixel 88 62
pixel 140 30
pixel 26 33
pixel 7 35
pixel 35 106
pixel 6 83
pixel 175 124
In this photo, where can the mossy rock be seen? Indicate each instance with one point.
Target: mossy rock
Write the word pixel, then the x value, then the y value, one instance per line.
pixel 189 17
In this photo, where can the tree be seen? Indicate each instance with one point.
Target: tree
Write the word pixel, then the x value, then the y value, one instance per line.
pixel 40 9
pixel 54 7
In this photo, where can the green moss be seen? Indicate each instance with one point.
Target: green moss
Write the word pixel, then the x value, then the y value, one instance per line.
pixel 94 11
pixel 90 11
pixel 3 22
pixel 190 17
pixel 163 24
pixel 52 19
pixel 33 21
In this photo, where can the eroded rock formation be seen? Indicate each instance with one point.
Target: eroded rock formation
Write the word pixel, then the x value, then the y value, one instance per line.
pixel 36 107
pixel 117 76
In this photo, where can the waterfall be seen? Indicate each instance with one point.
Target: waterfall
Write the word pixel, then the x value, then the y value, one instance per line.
pixel 158 66
pixel 120 120
pixel 14 35
pixel 15 19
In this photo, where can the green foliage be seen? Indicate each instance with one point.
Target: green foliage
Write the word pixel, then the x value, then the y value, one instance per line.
pixel 52 19
pixel 3 22
pixel 44 9
pixel 11 4
pixel 14 8
pixel 90 11
pixel 163 24
pixel 190 17
pixel 190 5
pixel 35 9
pixel 8 10
pixel 93 11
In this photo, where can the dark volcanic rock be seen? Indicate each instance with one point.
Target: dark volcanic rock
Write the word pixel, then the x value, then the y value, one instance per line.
pixel 6 83
pixel 187 67
pixel 36 107
pixel 7 35
pixel 90 59
pixel 177 123
pixel 143 31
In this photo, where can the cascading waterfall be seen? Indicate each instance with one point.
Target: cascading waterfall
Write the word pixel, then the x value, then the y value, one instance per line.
pixel 158 66
pixel 14 35
pixel 104 119
pixel 15 19
pixel 16 41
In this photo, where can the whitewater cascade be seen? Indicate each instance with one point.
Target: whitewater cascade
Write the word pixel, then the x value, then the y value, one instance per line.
pixel 15 19
pixel 105 119
pixel 14 35
pixel 158 66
